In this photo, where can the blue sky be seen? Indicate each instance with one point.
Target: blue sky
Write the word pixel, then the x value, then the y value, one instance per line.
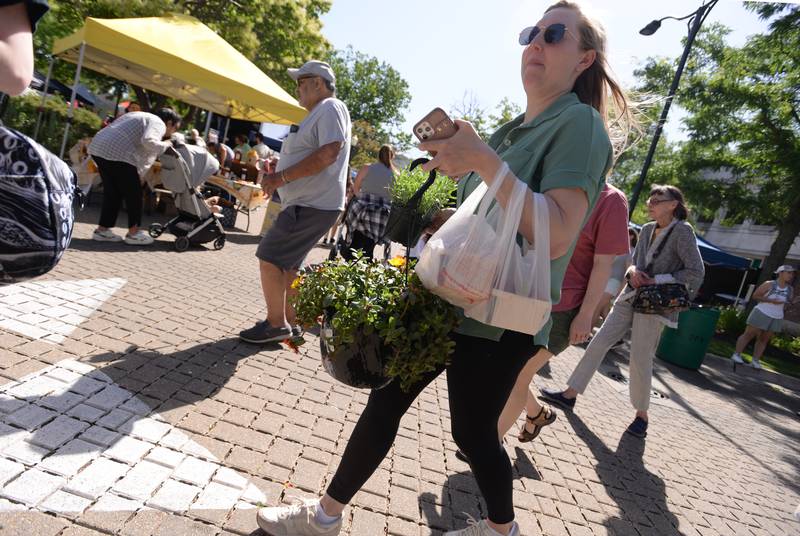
pixel 448 48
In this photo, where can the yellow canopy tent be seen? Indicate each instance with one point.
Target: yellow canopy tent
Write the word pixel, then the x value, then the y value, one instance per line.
pixel 180 57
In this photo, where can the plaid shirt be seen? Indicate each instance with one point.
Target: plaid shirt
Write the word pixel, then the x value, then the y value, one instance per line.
pixel 368 214
pixel 134 138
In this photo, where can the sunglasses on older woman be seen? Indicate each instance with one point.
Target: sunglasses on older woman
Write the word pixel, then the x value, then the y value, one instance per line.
pixel 552 34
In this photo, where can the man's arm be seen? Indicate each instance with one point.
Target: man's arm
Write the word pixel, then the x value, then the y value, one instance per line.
pixel 581 326
pixel 310 165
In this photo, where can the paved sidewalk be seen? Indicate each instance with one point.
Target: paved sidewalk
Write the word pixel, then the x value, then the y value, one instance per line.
pixel 129 406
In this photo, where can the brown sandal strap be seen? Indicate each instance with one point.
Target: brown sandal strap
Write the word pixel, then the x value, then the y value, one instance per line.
pixel 542 417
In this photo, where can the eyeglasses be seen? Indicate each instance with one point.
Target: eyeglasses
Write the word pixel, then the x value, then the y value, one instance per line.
pixel 654 201
pixel 553 34
pixel 304 79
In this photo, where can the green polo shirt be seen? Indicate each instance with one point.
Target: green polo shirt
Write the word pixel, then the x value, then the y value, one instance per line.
pixel 565 146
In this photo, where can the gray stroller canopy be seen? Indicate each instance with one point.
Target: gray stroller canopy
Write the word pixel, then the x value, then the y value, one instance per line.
pixel 186 168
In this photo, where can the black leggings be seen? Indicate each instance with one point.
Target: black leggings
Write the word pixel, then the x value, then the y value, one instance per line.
pixel 479 382
pixel 120 181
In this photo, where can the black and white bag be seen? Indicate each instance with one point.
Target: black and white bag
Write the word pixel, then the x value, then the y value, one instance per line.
pixel 36 215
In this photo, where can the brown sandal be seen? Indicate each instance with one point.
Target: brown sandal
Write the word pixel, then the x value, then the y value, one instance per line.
pixel 546 416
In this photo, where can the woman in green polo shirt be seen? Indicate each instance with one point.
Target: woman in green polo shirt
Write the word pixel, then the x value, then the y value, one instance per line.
pixel 559 147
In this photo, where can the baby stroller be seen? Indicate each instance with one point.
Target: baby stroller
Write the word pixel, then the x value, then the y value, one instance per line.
pixel 183 169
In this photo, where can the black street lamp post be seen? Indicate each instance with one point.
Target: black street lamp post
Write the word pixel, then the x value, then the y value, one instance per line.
pixel 696 20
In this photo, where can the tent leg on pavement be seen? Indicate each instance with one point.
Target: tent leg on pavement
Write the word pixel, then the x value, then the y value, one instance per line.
pixel 71 108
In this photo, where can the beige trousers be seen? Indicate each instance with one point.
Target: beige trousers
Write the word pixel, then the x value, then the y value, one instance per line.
pixel 646 332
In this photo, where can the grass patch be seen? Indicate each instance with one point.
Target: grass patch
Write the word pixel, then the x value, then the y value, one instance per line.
pixel 770 361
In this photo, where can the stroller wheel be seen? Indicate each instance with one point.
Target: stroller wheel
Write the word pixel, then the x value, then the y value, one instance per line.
pixel 219 242
pixel 156 229
pixel 181 243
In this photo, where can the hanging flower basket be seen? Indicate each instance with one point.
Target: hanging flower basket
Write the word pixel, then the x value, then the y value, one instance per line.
pixel 416 198
pixel 377 322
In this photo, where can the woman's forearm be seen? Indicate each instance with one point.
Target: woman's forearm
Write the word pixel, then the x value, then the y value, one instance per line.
pixel 567 207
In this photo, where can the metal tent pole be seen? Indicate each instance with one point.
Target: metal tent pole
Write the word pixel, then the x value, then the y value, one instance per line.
pixel 44 97
pixel 71 108
pixel 209 115
pixel 225 135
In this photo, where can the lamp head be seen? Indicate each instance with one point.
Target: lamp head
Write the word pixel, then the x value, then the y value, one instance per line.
pixel 651 28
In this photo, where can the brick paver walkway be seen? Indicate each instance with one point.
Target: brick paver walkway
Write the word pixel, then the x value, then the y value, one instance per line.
pixel 129 406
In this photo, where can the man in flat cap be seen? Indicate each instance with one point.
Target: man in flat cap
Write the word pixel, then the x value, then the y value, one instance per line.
pixel 311 178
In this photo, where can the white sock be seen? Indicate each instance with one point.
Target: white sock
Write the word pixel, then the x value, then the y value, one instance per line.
pixel 324 519
pixel 513 532
pixel 737 354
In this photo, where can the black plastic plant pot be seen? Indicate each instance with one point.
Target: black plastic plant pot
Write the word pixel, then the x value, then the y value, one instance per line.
pixel 406 224
pixel 361 364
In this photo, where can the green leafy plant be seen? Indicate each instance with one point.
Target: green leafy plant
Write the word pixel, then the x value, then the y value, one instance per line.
pixel 364 297
pixel 731 321
pixel 407 182
pixel 23 111
pixel 787 343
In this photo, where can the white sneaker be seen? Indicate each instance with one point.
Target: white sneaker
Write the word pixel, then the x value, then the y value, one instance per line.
pixel 106 236
pixel 480 528
pixel 737 358
pixel 141 238
pixel 299 519
pixel 756 364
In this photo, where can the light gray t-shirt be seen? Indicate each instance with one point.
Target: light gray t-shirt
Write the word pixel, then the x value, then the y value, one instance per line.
pixel 328 122
pixel 377 180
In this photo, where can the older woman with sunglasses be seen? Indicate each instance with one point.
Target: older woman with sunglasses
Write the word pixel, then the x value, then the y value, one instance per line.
pixel 666 252
pixel 560 147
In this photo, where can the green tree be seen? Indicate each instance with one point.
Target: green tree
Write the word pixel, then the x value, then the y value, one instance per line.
pixel 469 109
pixel 273 34
pixel 504 112
pixel 743 110
pixel 373 90
pixel 484 121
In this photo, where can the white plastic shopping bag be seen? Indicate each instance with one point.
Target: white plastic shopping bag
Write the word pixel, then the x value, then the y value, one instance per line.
pixel 459 262
pixel 520 295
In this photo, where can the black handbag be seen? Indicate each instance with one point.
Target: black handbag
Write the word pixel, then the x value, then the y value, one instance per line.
pixel 663 298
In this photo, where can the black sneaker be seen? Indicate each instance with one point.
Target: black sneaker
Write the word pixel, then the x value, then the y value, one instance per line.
pixel 557 398
pixel 264 332
pixel 637 428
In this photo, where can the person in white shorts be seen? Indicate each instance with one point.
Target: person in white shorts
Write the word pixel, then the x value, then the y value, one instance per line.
pixel 766 318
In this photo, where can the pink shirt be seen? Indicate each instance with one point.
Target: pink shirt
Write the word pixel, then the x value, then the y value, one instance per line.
pixel 606 233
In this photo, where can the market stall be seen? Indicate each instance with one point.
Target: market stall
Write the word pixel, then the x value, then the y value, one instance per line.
pixel 180 57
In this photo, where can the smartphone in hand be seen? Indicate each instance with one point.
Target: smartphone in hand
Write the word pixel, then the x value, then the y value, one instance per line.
pixel 437 125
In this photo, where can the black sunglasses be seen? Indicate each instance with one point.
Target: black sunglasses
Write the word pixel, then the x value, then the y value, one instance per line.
pixel 552 34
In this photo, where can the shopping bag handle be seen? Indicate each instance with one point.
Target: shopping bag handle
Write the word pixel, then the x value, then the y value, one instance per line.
pixel 415 199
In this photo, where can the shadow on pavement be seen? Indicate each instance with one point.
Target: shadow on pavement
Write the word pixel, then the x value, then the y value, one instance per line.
pixel 756 394
pixel 165 381
pixel 640 495
pixel 87 244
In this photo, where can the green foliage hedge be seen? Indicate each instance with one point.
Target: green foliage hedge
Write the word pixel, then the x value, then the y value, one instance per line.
pixel 21 115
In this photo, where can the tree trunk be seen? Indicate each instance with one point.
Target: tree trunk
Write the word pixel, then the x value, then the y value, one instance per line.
pixel 189 118
pixel 787 233
pixel 142 97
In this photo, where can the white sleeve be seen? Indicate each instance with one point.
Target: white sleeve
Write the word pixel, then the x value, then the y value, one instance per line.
pixel 332 125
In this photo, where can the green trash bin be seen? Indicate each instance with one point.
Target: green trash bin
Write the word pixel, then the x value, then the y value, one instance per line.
pixel 687 345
